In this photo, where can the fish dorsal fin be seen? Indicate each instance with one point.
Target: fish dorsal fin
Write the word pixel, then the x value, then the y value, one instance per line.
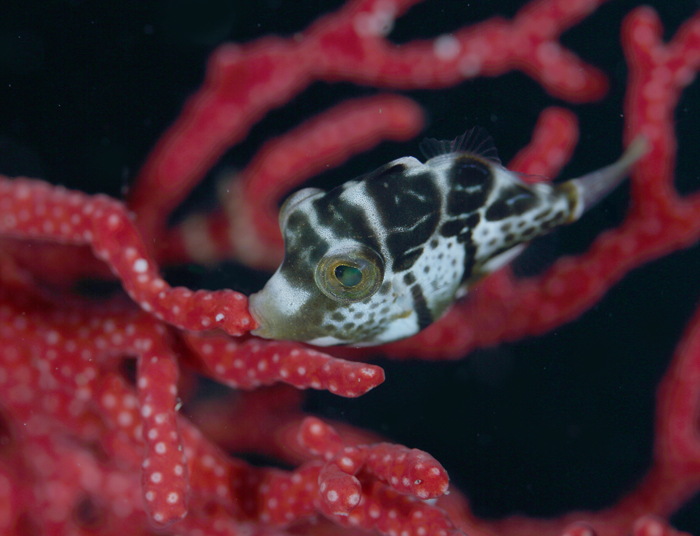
pixel 475 141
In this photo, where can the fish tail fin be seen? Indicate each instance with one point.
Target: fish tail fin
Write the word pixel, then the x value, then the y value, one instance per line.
pixel 594 186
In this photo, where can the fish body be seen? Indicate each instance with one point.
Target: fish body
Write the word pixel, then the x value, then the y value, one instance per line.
pixel 381 257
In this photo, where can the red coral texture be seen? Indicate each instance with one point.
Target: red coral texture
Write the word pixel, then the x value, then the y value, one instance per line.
pixel 90 445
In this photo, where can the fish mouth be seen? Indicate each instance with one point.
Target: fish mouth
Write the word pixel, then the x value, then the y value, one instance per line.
pixel 264 327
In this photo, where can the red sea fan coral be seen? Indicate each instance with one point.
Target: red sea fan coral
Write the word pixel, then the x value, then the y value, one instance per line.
pixel 546 426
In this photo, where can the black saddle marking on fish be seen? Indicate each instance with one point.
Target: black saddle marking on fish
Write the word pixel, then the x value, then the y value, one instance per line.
pixel 300 231
pixel 514 200
pixel 470 250
pixel 407 210
pixel 390 170
pixel 405 261
pixel 471 182
pixel 420 306
pixel 345 219
pixel 457 227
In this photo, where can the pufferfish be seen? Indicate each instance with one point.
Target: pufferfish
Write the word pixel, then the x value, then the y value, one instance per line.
pixel 381 257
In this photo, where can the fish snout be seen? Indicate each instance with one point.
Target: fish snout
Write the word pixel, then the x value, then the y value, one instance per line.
pixel 256 306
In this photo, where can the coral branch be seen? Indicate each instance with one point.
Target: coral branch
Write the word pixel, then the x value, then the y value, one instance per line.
pixel 254 362
pixel 38 211
pixel 406 471
pixel 90 447
pixel 164 478
pixel 245 82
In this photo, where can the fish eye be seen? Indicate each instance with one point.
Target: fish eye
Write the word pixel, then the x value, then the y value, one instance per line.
pixel 350 274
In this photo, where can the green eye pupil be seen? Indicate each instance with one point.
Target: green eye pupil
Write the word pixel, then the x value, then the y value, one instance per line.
pixel 348 276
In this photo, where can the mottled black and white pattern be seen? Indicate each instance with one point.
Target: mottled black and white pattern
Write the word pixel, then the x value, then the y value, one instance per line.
pixel 382 257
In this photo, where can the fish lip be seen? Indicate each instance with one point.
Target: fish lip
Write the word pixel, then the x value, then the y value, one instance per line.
pixel 264 325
